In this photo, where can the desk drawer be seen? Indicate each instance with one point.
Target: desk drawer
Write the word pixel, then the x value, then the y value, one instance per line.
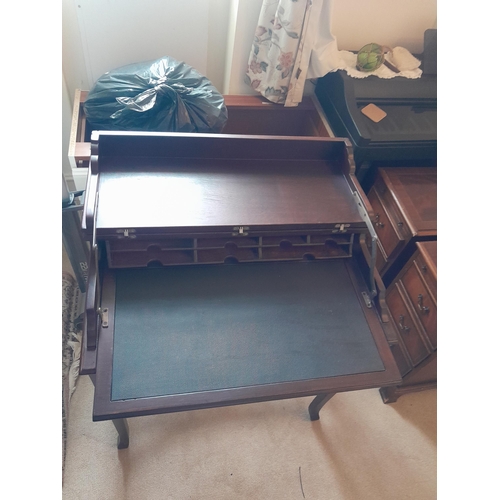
pixel 389 237
pixel 401 360
pixel 422 301
pixel 426 275
pixel 406 326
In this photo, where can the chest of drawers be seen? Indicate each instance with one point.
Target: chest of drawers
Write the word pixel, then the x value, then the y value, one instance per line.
pixel 412 304
pixel 404 201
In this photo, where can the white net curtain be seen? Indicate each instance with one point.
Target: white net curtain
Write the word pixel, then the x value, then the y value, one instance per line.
pixel 293 42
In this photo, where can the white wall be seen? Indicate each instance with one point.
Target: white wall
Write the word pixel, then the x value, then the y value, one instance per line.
pixel 100 36
pixel 218 25
pixel 66 128
pixel 386 22
pixel 119 32
pixel 242 24
pixel 73 61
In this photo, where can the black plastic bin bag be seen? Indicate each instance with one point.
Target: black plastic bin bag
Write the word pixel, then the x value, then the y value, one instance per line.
pixel 156 96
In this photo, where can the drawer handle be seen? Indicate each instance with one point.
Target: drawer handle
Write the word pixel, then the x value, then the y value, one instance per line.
pixel 421 307
pixel 377 221
pixel 402 326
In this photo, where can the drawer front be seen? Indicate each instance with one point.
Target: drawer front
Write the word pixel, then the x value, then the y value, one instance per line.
pixel 389 237
pixel 407 329
pixel 387 199
pixel 422 301
pixel 426 275
pixel 403 365
pixel 424 373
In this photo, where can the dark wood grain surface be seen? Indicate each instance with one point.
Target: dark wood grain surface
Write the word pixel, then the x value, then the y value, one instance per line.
pixel 429 252
pixel 195 194
pixel 415 192
pixel 214 181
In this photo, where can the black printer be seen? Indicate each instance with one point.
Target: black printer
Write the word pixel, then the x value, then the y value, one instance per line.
pixel 407 136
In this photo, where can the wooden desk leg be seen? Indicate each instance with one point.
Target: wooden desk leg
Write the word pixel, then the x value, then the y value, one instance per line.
pixel 121 426
pixel 318 402
pixel 389 394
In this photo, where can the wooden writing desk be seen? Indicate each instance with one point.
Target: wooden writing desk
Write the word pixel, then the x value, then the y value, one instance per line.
pixel 222 273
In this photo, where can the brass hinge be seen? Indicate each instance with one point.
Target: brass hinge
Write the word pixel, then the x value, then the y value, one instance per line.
pixel 103 314
pixel 367 299
pixel 340 228
pixel 126 233
pixel 241 231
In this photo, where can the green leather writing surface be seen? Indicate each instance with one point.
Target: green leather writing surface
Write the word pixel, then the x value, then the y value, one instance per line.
pixel 197 328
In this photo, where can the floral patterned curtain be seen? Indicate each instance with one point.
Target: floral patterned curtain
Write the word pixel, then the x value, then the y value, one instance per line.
pixel 279 59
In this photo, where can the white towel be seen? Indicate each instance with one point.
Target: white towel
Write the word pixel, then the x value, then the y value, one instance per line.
pixel 325 58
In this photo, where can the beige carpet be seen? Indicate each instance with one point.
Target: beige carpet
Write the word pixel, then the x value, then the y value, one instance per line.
pixel 360 449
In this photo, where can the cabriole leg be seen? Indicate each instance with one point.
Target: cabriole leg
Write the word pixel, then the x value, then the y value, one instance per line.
pixel 318 402
pixel 121 426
